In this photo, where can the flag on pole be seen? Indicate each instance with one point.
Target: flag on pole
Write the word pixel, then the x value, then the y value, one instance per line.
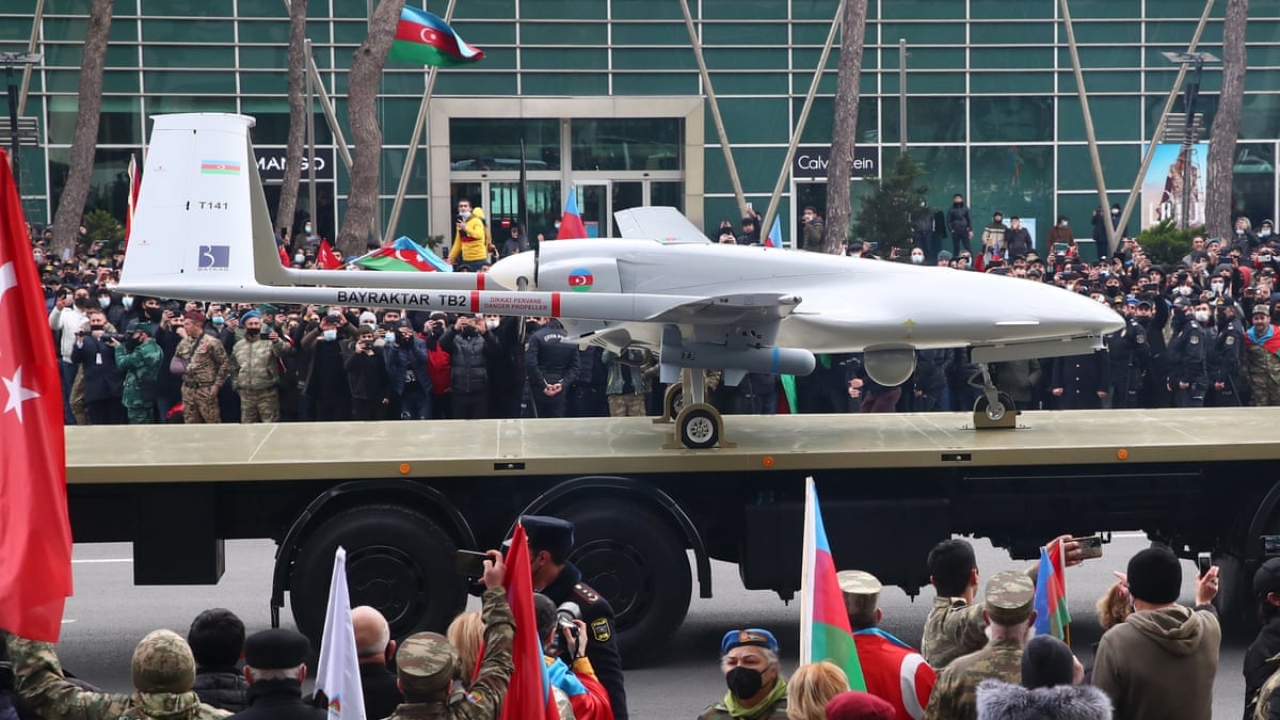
pixel 424 38
pixel 35 535
pixel 404 255
pixel 284 256
pixel 326 258
pixel 825 633
pixel 529 694
pixel 135 183
pixel 774 238
pixel 571 226
pixel 1052 615
pixel 338 673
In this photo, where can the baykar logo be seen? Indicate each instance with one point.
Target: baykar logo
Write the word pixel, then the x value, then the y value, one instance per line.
pixel 214 257
pixel 580 280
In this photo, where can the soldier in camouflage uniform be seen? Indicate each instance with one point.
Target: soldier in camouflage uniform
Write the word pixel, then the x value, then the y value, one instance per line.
pixel 255 370
pixel 955 626
pixel 163 671
pixel 1008 605
pixel 1268 703
pixel 1262 358
pixel 430 672
pixel 207 370
pixel 139 359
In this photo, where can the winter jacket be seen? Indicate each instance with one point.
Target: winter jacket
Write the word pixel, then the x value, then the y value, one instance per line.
pixel 141 367
pixel 102 379
pixel 367 375
pixel 468 359
pixel 222 688
pixel 959 220
pixel 548 359
pixel 401 360
pixel 471 242
pixel 1004 701
pixel 1257 667
pixel 255 364
pixel 1161 664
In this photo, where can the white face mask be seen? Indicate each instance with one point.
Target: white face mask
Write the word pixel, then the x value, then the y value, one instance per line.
pixel 491 324
pixel 917 259
pixel 1265 233
pixel 389 337
pixel 307 229
pixel 127 302
pixel 104 302
pixel 1202 316
pixel 1063 223
pixel 1182 290
pixel 330 335
pixel 1216 287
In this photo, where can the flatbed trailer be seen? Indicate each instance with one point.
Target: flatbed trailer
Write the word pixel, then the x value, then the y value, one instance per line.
pixel 401 497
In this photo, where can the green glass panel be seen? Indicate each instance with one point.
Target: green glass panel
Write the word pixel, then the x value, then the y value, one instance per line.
pixel 627 144
pixel 190 83
pixel 563 33
pixel 495 58
pixel 1011 33
pixel 260 8
pixel 649 34
pixel 1105 57
pixel 807 59
pixel 121 81
pixel 1004 10
pixel 927 59
pixel 350 33
pixel 119 123
pixel 647 83
pixel 1261 31
pixel 944 170
pixel 757 167
pixel 353 8
pixel 74 29
pixel 559 9
pixel 916 9
pixel 1260 117
pixel 1096 33
pixel 392 167
pixel 488 32
pixel 742 33
pixel 187 56
pixel 1114 117
pixel 162 104
pixel 814 9
pixel 1005 58
pixel 739 9
pixel 749 83
pixel 1017 118
pixel 498 9
pixel 264 57
pixel 404 83
pixel 1102 81
pixel 1210 82
pixel 272 121
pixel 932 83
pixel 653 59
pixel 929 119
pixel 317 30
pixel 264 32
pixel 494 143
pixel 817 129
pixel 187 8
pixel 1190 9
pixel 1016 180
pixel 1086 9
pixel 1261 81
pixel 191 31
pixel 751 120
pixel 21 7
pixel 1119 166
pixel 63 56
pixel 811 34
pixel 1006 82
pixel 1206 105
pixel 1180 32
pixel 1263 56
pixel 63 81
pixel 476 83
pixel 745 59
pixel 580 84
pixel 397 117
pixel 644 10
pixel 561 58
pixel 917 33
pixel 264 83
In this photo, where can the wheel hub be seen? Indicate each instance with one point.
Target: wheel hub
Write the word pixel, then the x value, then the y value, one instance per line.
pixel 699 429
pixel 618 573
pixel 386 579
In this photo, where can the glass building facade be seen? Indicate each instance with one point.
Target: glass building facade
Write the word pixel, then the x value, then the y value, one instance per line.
pixel 607 97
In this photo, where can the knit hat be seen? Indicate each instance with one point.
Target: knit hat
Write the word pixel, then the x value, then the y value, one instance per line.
pixel 1155 576
pixel 854 705
pixel 1047 661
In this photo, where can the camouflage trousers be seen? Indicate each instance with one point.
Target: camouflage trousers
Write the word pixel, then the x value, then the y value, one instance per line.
pixel 77 398
pixel 626 405
pixel 1264 388
pixel 142 415
pixel 260 406
pixel 200 405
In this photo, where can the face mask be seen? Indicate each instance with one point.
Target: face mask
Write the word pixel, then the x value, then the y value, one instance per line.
pixel 252 332
pixel 1216 287
pixel 330 335
pixel 1063 223
pixel 491 324
pixel 917 259
pixel 217 320
pixel 743 682
pixel 1182 290
pixel 1115 212
pixel 1202 316
pixel 1265 233
pixel 958 203
pixel 104 302
pixel 127 302
pixel 307 229
pixel 389 337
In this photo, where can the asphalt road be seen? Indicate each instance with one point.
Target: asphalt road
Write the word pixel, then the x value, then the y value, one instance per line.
pixel 108 615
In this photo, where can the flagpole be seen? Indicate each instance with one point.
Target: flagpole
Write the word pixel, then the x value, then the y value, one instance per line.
pixel 419 127
pixel 809 552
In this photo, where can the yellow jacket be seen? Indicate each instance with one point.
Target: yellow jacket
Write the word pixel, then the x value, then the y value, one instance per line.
pixel 471 241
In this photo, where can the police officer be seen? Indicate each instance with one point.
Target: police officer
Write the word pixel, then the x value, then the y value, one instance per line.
pixel 1188 357
pixel 552 365
pixel 1008 601
pixel 1129 354
pixel 550 542
pixel 1224 356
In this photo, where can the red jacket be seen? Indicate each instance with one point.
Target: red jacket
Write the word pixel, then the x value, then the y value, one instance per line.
pixel 895 672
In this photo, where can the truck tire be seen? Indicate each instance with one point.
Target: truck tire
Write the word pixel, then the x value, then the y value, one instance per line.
pixel 636 561
pixel 398 561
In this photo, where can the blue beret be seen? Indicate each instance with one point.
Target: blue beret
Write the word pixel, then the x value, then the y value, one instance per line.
pixel 250 314
pixel 755 637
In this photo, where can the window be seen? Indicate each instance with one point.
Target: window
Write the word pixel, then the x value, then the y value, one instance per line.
pixel 627 144
pixel 494 143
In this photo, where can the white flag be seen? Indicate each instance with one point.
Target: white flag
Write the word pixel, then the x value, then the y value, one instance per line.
pixel 339 673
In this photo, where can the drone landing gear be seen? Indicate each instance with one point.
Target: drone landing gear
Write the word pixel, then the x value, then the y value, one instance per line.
pixel 698 425
pixel 994 409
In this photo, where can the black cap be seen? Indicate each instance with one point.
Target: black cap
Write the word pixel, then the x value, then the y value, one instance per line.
pixel 1155 576
pixel 1046 662
pixel 1267 579
pixel 548 533
pixel 276 649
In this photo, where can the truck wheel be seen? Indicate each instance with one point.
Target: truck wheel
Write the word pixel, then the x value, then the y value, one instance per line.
pixel 636 561
pixel 1235 601
pixel 398 561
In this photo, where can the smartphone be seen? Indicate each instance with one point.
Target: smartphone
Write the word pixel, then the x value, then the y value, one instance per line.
pixel 1271 545
pixel 471 563
pixel 1204 561
pixel 1090 546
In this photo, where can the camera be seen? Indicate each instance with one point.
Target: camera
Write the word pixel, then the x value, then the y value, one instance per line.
pixel 118 337
pixel 566 614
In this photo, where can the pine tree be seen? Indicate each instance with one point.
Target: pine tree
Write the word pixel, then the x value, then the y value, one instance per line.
pixel 888 215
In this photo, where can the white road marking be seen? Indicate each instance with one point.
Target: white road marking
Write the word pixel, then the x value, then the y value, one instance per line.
pixel 103 560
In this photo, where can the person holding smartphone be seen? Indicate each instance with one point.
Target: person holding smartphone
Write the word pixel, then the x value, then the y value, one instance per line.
pixel 367 378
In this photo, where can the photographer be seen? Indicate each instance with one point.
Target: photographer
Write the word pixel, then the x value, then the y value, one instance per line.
pixel 138 358
pixel 367 378
pixel 564 637
pixel 103 382
pixel 406 359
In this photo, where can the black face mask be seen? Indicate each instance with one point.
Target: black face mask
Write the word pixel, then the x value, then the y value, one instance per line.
pixel 132 344
pixel 154 313
pixel 252 332
pixel 958 203
pixel 744 683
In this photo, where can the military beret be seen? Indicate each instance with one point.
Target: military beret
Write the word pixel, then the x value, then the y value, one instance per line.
pixel 548 533
pixel 751 637
pixel 250 314
pixel 196 316
pixel 425 663
pixel 1009 597
pixel 276 649
pixel 855 705
pixel 162 663
pixel 144 327
pixel 268 309
pixel 857 582
pixel 1267 578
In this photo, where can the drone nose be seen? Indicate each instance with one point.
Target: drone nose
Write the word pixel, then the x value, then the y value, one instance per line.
pixel 514 272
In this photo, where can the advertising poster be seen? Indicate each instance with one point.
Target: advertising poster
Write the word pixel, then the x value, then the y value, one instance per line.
pixel 1162 187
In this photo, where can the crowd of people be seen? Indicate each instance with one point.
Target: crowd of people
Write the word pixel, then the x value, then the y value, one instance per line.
pixel 980 656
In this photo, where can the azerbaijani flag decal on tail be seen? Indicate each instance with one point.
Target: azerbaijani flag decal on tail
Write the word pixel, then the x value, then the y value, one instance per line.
pixel 219 167
pixel 580 280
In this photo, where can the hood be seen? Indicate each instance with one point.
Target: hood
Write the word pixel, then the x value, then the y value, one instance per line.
pixel 1004 701
pixel 1176 629
pixel 477 213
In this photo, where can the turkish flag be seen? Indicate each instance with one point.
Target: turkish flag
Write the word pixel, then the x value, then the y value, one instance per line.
pixel 325 257
pixel 35 535
pixel 529 694
pixel 284 256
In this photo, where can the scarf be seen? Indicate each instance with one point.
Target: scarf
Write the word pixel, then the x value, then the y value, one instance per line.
pixel 882 634
pixel 736 709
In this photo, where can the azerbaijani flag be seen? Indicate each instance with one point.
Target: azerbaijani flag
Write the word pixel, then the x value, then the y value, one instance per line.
pixel 825 633
pixel 529 694
pixel 424 38
pixel 1052 616
pixel 404 255
pixel 571 226
pixel 219 167
pixel 774 238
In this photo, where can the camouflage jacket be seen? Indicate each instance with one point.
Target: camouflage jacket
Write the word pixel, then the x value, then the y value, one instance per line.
pixel 206 363
pixel 43 688
pixel 956 692
pixel 720 711
pixel 484 702
pixel 255 364
pixel 170 706
pixel 953 628
pixel 1268 705
pixel 140 366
